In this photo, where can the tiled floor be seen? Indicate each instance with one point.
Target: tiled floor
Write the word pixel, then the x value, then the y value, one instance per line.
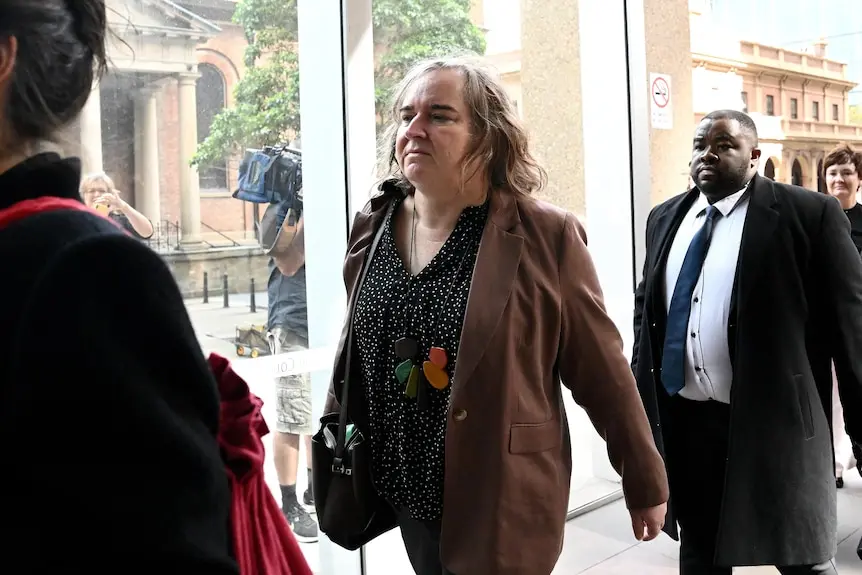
pixel 600 542
pixel 597 543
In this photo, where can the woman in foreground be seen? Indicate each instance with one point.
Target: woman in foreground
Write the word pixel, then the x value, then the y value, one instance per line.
pixel 108 412
pixel 479 301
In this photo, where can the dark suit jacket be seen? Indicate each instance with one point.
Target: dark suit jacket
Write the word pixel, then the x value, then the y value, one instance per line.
pixel 796 304
pixel 108 409
pixel 535 316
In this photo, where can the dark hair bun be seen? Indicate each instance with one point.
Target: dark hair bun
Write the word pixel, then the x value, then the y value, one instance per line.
pixel 61 52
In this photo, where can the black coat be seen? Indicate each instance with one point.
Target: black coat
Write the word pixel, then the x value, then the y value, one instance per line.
pixel 796 305
pixel 109 412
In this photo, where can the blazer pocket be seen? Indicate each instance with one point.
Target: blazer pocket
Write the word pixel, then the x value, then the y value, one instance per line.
pixel 804 405
pixel 535 437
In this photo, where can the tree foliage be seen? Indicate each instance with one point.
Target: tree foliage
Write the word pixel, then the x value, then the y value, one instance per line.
pixel 412 30
pixel 266 99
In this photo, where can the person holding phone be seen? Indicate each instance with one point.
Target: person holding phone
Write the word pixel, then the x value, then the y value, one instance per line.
pixel 99 192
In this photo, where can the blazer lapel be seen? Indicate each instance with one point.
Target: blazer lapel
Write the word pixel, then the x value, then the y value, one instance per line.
pixel 365 226
pixel 667 225
pixel 758 233
pixel 493 276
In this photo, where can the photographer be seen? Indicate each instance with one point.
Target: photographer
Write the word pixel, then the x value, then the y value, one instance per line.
pixel 98 192
pixel 287 324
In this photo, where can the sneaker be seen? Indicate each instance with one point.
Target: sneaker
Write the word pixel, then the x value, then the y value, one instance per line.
pixel 308 498
pixel 303 526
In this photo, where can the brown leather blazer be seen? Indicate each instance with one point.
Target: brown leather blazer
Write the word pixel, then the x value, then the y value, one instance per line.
pixel 535 317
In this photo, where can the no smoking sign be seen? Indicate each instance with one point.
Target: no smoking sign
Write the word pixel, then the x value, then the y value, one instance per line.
pixel 661 106
pixel 661 92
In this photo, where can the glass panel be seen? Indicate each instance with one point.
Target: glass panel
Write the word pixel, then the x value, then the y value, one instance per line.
pixel 261 271
pixel 601 82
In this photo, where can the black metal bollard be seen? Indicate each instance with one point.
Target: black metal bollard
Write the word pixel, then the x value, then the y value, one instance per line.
pixel 252 305
pixel 224 290
pixel 206 287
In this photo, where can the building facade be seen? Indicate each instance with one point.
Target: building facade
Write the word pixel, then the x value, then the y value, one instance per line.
pixel 173 68
pixel 800 100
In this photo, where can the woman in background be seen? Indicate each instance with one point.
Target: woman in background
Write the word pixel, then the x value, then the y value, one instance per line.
pixel 98 192
pixel 842 170
pixel 108 410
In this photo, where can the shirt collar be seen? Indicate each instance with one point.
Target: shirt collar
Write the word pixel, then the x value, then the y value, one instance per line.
pixel 725 206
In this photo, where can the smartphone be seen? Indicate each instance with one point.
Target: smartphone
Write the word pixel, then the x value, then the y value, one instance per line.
pixel 102 209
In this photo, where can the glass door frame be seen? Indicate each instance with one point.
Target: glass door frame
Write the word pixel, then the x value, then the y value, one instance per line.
pixel 339 147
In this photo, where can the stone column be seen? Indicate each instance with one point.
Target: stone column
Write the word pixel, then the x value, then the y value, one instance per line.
pixel 190 195
pixel 90 121
pixel 551 93
pixel 667 38
pixel 812 170
pixel 477 12
pixel 147 177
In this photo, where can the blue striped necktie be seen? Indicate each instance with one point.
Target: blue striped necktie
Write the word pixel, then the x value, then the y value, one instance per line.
pixel 673 356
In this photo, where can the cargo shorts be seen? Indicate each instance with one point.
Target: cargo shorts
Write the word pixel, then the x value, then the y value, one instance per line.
pixel 292 392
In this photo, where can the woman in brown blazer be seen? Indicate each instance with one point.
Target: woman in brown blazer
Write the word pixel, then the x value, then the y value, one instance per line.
pixel 478 302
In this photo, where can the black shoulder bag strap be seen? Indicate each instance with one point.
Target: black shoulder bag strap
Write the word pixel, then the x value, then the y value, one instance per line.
pixel 341 439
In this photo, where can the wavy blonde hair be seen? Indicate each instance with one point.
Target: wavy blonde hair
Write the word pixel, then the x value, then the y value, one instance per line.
pixel 91 180
pixel 500 144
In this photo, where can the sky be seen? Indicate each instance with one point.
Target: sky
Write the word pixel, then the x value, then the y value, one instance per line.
pixel 797 23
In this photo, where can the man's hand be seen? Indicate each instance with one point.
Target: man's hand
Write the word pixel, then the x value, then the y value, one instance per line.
pixel 647 523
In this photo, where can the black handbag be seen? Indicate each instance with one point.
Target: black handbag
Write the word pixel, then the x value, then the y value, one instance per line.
pixel 350 511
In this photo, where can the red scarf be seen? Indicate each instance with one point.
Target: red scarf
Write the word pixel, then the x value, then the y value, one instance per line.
pixel 263 541
pixel 25 208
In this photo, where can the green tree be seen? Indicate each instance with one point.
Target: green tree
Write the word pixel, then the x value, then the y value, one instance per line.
pixel 856 114
pixel 266 99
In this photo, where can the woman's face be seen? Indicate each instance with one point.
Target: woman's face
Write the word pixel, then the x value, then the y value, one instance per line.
pixel 842 181
pixel 93 191
pixel 434 131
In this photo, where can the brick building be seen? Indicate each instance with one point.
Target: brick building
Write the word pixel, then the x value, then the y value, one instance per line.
pixel 174 66
pixel 799 99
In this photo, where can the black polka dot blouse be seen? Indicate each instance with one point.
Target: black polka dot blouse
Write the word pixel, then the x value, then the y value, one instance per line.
pixel 407 438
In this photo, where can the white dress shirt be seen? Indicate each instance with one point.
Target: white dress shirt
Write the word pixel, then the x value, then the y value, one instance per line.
pixel 708 372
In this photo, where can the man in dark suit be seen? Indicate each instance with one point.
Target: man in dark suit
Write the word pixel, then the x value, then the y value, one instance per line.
pixel 750 288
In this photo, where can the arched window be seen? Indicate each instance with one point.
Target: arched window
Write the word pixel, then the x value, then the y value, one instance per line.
pixel 796 173
pixel 211 100
pixel 769 169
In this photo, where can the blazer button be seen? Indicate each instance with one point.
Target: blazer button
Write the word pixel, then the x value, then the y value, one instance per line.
pixel 460 415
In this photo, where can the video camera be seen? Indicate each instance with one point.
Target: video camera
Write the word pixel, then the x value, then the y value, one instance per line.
pixel 273 175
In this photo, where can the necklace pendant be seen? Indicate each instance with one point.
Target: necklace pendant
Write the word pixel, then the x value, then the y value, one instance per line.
pixel 438 357
pixel 423 401
pixel 402 372
pixel 437 377
pixel 413 383
pixel 406 348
